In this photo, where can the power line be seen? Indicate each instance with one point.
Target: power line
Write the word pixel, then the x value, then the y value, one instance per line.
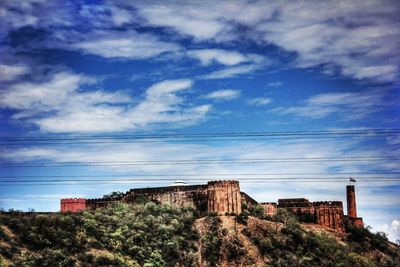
pixel 226 136
pixel 182 135
pixel 337 178
pixel 196 181
pixel 202 161
pixel 203 174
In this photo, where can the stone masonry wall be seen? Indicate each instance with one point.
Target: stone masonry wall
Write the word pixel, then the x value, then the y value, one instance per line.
pixel 351 201
pixel 270 208
pixel 183 196
pixel 73 204
pixel 330 214
pixel 224 197
pixel 326 213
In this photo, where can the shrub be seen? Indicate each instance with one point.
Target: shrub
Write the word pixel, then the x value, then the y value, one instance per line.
pixel 242 217
pixel 257 211
pixel 211 241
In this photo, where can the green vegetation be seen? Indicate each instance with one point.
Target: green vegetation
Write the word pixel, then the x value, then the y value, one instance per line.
pixel 119 235
pixel 292 245
pixel 152 235
pixel 114 195
pixel 212 240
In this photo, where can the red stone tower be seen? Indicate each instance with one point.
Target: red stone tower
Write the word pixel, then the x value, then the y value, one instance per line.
pixel 351 207
pixel 351 202
pixel 224 197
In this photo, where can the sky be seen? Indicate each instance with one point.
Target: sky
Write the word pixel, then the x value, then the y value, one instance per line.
pixel 141 93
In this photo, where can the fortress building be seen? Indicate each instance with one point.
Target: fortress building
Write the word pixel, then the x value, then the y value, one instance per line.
pixel 225 197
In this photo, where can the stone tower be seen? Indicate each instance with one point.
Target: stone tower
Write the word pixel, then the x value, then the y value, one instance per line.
pixel 351 202
pixel 224 197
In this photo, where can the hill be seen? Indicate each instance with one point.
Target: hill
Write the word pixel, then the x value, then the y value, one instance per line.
pixel 147 234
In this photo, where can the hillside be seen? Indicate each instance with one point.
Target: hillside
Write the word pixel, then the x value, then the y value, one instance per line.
pixel 147 234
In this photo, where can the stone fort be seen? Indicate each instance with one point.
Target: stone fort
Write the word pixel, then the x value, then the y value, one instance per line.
pixel 225 197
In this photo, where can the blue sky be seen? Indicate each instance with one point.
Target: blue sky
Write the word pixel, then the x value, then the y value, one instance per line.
pixel 112 68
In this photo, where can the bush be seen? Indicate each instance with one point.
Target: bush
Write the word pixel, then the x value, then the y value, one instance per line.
pixel 212 241
pixel 125 234
pixel 242 217
pixel 257 211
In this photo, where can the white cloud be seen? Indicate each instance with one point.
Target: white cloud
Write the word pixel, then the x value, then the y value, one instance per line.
pixel 10 72
pixel 357 39
pixel 191 19
pixel 352 105
pixel 226 94
pixel 360 38
pixel 259 101
pixel 124 45
pixel 321 34
pixel 225 57
pixel 63 108
pixel 231 72
pixel 392 230
pixel 275 84
pixel 41 96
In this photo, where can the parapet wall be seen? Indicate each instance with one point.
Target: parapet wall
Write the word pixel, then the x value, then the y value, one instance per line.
pixel 73 204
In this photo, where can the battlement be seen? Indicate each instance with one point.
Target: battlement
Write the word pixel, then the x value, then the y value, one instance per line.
pixel 294 202
pixel 164 189
pixel 69 200
pixel 338 204
pixel 223 182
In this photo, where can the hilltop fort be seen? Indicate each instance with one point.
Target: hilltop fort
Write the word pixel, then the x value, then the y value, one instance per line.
pixel 225 197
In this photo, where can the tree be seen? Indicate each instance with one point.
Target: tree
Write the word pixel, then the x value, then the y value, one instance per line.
pixel 114 195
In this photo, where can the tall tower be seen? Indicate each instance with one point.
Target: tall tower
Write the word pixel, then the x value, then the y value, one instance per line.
pixel 224 197
pixel 351 201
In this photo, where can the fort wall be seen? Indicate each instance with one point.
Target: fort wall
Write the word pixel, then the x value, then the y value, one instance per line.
pixel 224 197
pixel 330 214
pixel 73 204
pixel 270 208
pixel 325 213
pixel 247 200
pixel 194 196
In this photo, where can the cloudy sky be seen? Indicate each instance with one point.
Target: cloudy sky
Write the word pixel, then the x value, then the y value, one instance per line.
pixel 144 93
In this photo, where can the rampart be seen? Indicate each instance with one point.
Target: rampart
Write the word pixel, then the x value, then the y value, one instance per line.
pixel 224 197
pixel 189 196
